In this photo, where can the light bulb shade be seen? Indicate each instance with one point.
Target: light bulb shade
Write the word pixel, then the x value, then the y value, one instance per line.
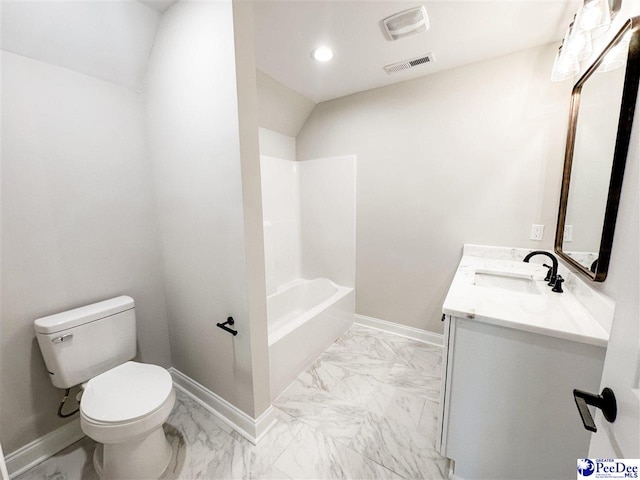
pixel 565 67
pixel 594 17
pixel 577 43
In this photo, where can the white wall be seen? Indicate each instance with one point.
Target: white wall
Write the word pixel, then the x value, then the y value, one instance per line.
pixel 78 225
pixel 193 128
pixel 79 217
pixel 281 213
pixel 278 145
pixel 77 204
pixel 470 155
pixel 282 112
pixel 248 114
pixel 309 220
pixel 328 219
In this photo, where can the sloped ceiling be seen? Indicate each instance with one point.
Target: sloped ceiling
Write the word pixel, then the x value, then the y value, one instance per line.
pixel 105 39
pixel 280 108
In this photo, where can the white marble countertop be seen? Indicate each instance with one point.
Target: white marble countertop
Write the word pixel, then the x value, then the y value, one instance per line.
pixel 548 313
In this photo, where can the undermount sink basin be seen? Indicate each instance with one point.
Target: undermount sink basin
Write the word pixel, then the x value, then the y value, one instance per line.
pixel 504 281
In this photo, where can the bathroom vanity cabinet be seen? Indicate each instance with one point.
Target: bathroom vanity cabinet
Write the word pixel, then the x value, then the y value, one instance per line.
pixel 508 405
pixel 514 352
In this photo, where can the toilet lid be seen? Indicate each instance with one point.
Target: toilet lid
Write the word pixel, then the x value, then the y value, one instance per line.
pixel 126 392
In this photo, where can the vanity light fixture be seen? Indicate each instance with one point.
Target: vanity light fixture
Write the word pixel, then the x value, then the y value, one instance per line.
pixel 593 19
pixel 577 43
pixel 322 54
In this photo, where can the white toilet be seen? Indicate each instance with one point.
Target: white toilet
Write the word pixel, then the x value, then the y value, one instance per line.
pixel 124 403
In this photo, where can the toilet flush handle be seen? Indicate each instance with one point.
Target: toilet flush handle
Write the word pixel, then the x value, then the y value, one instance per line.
pixel 63 338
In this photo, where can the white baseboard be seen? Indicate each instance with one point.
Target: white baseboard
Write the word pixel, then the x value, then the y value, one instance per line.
pixel 250 428
pixel 404 331
pixel 42 448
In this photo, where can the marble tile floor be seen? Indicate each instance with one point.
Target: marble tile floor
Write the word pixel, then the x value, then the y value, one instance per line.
pixel 366 409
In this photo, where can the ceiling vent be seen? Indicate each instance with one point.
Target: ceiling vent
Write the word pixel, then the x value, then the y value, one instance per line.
pixel 405 23
pixel 414 62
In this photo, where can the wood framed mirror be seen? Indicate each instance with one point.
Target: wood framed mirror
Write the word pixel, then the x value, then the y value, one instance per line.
pixel 601 115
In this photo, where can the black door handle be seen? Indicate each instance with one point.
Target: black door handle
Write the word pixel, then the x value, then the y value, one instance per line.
pixel 606 402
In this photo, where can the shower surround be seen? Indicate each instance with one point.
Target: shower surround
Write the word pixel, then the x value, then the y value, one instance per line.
pixel 309 231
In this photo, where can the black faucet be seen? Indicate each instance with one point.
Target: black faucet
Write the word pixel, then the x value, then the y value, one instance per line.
pixel 553 269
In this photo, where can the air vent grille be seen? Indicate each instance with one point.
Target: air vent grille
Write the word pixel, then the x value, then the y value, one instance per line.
pixel 409 22
pixel 414 62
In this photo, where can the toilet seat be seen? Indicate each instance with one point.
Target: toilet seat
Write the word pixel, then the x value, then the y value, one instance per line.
pixel 126 393
pixel 127 401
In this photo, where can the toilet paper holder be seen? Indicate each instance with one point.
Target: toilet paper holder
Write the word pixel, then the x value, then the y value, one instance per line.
pixel 223 326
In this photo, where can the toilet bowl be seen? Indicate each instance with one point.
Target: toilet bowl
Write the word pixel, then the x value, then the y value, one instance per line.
pixel 124 410
pixel 124 403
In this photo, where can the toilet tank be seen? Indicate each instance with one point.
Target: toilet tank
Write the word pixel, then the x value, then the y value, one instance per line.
pixel 84 342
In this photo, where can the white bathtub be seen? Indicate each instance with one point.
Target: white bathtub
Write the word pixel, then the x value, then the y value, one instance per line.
pixel 304 318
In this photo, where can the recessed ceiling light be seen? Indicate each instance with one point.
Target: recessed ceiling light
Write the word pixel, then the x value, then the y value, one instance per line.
pixel 322 54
